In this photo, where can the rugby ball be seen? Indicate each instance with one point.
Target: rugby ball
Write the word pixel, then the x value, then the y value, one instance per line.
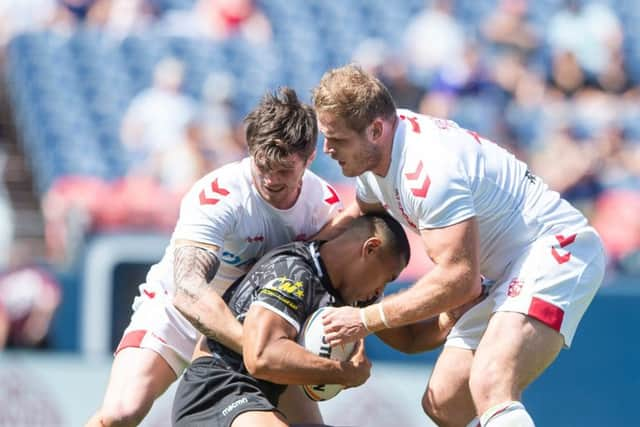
pixel 312 338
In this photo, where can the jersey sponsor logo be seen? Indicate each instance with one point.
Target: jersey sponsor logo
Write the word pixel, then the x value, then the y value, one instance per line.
pixel 216 189
pixel 285 290
pixel 423 188
pixel 562 242
pixel 255 239
pixel 234 405
pixel 515 287
pixel 288 286
pixel 272 293
pixel 444 124
pixel 333 199
pixel 234 259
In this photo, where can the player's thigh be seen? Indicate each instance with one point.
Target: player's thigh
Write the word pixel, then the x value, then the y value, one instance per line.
pixel 138 377
pixel 447 398
pixel 513 352
pixel 298 407
pixel 259 418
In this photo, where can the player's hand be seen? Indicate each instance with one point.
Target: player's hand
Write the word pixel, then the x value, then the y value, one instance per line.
pixel 343 325
pixel 358 367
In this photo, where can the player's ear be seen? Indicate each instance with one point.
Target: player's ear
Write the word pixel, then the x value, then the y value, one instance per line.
pixel 371 246
pixel 376 129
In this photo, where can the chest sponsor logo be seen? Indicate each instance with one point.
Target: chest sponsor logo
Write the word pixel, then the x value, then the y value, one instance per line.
pixel 234 259
pixel 255 239
pixel 288 286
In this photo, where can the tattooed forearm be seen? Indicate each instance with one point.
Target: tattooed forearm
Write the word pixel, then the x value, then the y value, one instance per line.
pixel 193 269
pixel 198 302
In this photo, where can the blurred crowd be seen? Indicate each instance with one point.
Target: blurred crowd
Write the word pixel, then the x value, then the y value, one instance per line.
pixel 563 99
pixel 563 96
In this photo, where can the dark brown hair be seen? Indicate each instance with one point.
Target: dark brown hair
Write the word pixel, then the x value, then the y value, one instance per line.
pixel 280 126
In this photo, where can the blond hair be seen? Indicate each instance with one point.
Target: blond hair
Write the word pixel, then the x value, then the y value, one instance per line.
pixel 352 94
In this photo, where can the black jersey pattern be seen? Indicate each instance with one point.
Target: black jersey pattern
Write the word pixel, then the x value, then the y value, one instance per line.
pixel 291 281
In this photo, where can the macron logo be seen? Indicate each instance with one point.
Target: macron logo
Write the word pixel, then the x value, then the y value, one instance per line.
pixel 233 406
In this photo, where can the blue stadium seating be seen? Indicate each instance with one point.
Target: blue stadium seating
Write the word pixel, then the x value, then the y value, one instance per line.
pixel 70 91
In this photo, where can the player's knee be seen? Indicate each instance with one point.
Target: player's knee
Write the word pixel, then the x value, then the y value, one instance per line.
pixel 124 413
pixel 435 408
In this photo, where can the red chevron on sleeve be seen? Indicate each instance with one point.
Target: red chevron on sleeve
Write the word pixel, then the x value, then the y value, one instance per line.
pixel 333 199
pixel 422 190
pixel 204 200
pixel 412 176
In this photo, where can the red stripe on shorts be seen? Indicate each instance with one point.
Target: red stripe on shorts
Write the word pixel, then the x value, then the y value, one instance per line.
pixel 546 312
pixel 131 339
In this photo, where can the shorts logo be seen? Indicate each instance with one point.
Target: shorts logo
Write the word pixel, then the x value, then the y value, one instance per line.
pixel 514 288
pixel 234 405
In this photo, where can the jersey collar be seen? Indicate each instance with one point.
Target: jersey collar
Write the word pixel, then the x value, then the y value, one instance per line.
pixel 323 274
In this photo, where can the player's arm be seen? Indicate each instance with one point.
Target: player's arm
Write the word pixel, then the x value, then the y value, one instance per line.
pixel 195 265
pixel 427 334
pixel 418 337
pixel 341 221
pixel 271 353
pixel 453 281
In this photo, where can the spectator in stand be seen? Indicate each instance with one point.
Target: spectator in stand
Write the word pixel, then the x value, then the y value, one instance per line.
pixel 507 27
pixel 434 38
pixel 20 16
pixel 122 17
pixel 577 178
pixel 565 74
pixel 157 118
pixel 218 20
pixel 183 164
pixel 529 115
pixel 28 299
pixel 222 131
pixel 589 31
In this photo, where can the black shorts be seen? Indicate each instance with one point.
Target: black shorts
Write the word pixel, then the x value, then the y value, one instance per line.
pixel 209 395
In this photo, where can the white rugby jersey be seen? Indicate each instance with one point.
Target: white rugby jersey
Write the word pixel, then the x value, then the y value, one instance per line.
pixel 225 209
pixel 442 174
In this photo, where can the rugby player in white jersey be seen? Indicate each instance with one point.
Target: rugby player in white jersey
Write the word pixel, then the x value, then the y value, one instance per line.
pixel 480 211
pixel 229 219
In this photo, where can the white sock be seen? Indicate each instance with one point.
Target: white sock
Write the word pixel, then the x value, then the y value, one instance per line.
pixel 507 414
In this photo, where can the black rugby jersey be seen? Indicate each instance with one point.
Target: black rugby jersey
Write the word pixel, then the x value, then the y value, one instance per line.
pixel 290 280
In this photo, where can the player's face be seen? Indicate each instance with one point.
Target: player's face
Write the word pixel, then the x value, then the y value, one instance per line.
pixel 354 151
pixel 280 185
pixel 367 278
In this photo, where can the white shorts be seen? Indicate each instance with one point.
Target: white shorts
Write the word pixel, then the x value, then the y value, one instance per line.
pixel 157 325
pixel 553 281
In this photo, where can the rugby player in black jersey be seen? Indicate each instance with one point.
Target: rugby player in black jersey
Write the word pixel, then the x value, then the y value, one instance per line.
pixel 225 388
